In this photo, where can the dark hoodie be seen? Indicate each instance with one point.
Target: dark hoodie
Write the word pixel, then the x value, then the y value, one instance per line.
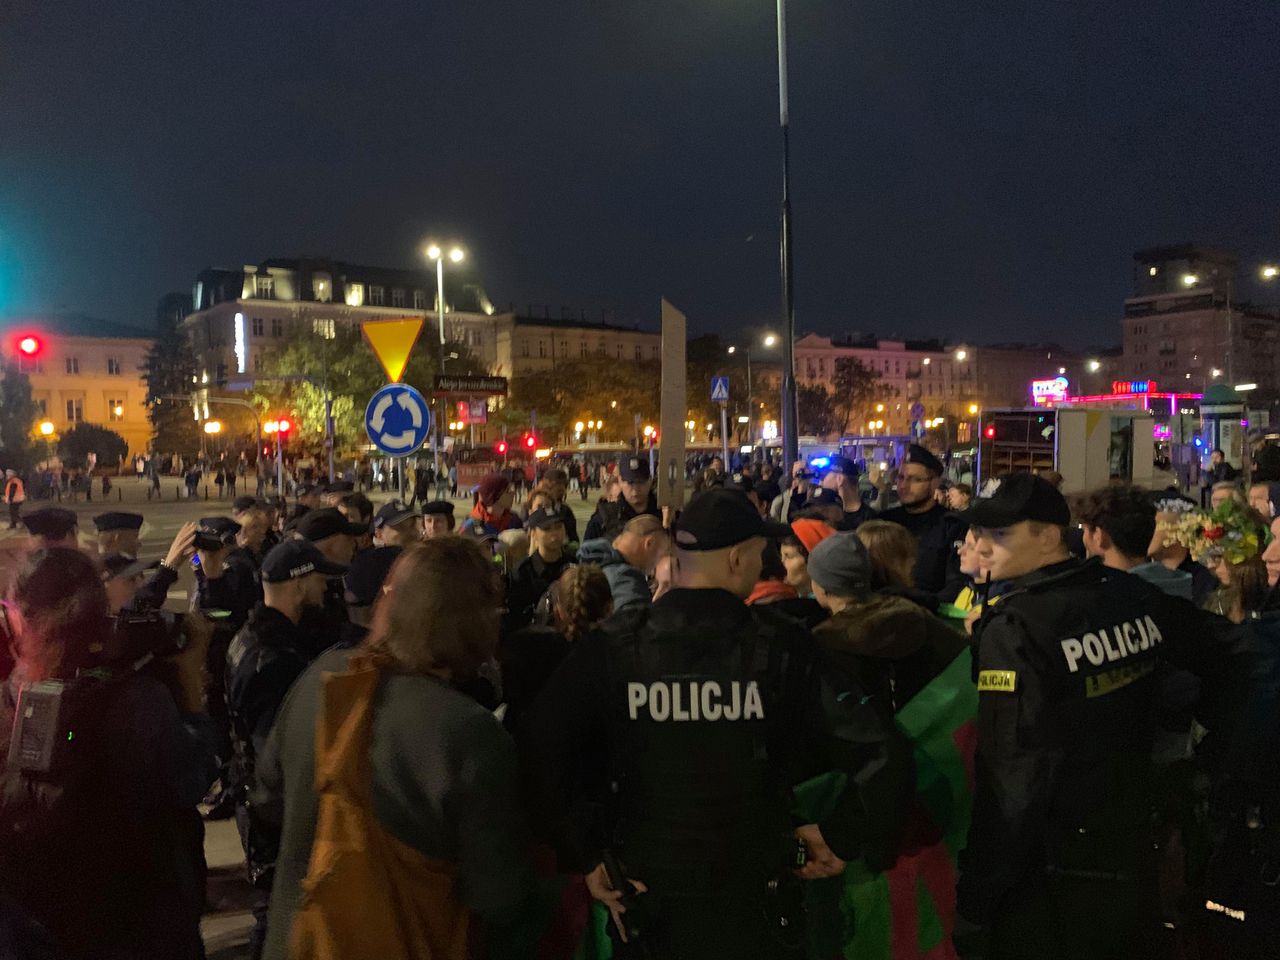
pixel 891 646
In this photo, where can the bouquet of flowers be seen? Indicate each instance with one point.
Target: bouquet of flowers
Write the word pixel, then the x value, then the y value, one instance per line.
pixel 1230 532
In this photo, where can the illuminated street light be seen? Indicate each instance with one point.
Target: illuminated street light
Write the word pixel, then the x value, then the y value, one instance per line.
pixel 1095 366
pixel 456 255
pixel 1190 279
pixel 1153 271
pixel 926 361
pixel 1215 372
pixel 879 408
pixel 962 354
pixel 1270 272
pixel 973 409
pixel 433 251
pixel 46 428
pixel 578 427
pixel 733 350
pixel 213 426
pixel 770 340
pixel 1061 371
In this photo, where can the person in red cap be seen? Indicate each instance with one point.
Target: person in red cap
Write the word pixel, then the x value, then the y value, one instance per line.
pixel 492 512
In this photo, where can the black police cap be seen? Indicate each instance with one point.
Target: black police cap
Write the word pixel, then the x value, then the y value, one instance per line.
pixel 329 522
pixel 224 528
pixel 721 517
pixel 394 512
pixel 366 575
pixel 243 504
pixel 117 520
pixel 923 457
pixel 293 559
pixel 634 469
pixel 55 523
pixel 1020 496
pixel 542 519
pixel 443 507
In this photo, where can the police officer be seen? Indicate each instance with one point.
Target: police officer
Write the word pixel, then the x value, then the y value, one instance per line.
pixel 227 583
pixel 118 532
pixel 335 537
pixel 703 712
pixel 1059 860
pixel 535 573
pixel 265 657
pixel 363 584
pixel 396 524
pixel 637 498
pixel 937 532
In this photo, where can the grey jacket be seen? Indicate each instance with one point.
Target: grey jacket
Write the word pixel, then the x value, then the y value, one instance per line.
pixel 627 584
pixel 445 782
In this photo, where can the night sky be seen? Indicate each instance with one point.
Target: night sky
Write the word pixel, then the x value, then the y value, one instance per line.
pixel 969 169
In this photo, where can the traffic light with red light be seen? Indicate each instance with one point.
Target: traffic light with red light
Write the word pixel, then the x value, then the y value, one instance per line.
pixel 29 345
pixel 989 431
pixel 500 448
pixel 530 441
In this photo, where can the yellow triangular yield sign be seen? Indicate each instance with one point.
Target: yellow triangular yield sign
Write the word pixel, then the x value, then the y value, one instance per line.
pixel 391 341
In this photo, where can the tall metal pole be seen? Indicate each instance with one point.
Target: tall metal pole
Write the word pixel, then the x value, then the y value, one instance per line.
pixel 440 316
pixel 750 406
pixel 790 420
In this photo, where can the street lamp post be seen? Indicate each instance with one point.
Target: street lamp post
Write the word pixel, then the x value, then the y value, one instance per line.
pixel 769 340
pixel 790 419
pixel 455 255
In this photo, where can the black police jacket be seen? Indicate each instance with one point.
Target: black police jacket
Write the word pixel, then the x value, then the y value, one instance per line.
pixel 237 591
pixel 705 712
pixel 1067 709
pixel 531 579
pixel 265 657
pixel 612 515
pixel 937 531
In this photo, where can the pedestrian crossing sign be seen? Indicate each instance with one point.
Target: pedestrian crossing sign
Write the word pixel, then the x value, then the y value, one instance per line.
pixel 720 389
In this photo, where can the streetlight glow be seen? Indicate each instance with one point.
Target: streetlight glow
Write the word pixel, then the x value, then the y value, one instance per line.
pixel 926 361
pixel 456 255
pixel 1216 372
pixel 770 340
pixel 962 354
pixel 1270 272
pixel 1095 366
pixel 212 426
pixel 46 428
pixel 1190 279
pixel 973 409
pixel 433 251
pixel 733 350
pixel 577 427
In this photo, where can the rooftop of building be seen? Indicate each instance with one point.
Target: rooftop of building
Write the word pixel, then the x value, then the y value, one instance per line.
pixel 1184 251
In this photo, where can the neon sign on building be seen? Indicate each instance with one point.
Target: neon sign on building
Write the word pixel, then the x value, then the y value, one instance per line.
pixel 1045 393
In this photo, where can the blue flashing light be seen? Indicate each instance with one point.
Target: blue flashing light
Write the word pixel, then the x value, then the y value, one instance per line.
pixel 1198 442
pixel 820 463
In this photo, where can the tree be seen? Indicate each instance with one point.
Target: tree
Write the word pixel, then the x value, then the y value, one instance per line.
pixel 17 414
pixel 855 387
pixel 816 410
pixel 592 388
pixel 86 438
pixel 347 365
pixel 168 370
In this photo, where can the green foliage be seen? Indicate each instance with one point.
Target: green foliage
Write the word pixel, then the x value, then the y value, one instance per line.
pixel 84 438
pixel 17 414
pixel 169 370
pixel 816 410
pixel 348 365
pixel 586 389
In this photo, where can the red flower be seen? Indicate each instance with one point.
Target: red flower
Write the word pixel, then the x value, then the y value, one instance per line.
pixel 1214 533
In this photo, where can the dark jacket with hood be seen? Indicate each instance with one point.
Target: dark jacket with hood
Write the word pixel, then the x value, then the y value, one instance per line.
pixel 891 646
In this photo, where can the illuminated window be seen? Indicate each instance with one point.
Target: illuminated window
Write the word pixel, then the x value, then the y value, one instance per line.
pixel 377 296
pixel 264 288
pixel 324 328
pixel 419 300
pixel 321 288
pixel 113 366
pixel 115 409
pixel 75 411
pixel 258 326
pixel 355 294
pixel 397 297
pixel 73 364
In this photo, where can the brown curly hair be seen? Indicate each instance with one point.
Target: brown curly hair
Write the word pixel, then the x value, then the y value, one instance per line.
pixel 581 599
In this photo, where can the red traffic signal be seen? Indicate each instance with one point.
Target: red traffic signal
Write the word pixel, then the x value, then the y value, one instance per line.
pixel 989 431
pixel 29 345
pixel 500 448
pixel 530 441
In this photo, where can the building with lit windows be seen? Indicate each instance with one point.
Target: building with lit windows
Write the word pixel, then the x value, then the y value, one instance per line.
pixel 952 381
pixel 241 315
pixel 533 344
pixel 1188 326
pixel 83 370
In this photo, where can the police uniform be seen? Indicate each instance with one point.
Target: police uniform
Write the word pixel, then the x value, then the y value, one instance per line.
pixel 325 626
pixel 118 520
pixel 937 532
pixel 267 654
pixel 852 518
pixel 1059 859
pixel 611 517
pixel 50 524
pixel 533 576
pixel 703 712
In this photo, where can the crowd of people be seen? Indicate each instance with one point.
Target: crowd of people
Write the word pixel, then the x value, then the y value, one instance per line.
pixel 774 723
